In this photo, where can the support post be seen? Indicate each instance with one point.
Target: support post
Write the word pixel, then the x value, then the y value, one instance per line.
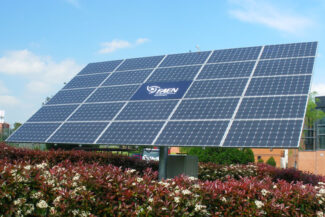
pixel 163 154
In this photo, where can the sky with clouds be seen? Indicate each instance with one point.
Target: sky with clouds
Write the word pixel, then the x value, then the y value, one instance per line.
pixel 45 43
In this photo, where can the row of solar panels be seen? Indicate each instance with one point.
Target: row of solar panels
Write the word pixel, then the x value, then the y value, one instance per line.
pixel 250 108
pixel 283 85
pixel 227 55
pixel 263 133
pixel 210 71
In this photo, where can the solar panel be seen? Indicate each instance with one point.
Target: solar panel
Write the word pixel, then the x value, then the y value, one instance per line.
pixel 227 70
pixel 86 81
pixel 242 97
pixel 174 74
pixel 96 112
pixel 114 93
pixel 70 96
pixel 185 59
pixel 100 67
pixel 52 113
pixel 142 133
pixel 127 77
pixel 78 133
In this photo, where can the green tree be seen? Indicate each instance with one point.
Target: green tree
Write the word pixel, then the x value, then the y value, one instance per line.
pixel 271 161
pixel 222 155
pixel 16 126
pixel 313 114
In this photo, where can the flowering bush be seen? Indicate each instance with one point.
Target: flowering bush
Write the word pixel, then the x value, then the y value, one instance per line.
pixel 53 157
pixel 104 190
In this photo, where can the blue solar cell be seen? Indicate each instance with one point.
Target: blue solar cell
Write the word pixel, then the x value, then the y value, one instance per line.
pixel 206 109
pixel 227 70
pixel 33 132
pixel 192 133
pixel 71 96
pixel 78 133
pixel 140 63
pixel 131 133
pixel 185 59
pixel 127 77
pixel 284 67
pixel 174 74
pixel 279 85
pixel 96 112
pixel 53 113
pixel 272 133
pixel 272 107
pixel 86 81
pixel 152 110
pixel 100 67
pixel 115 93
pixel 289 50
pixel 217 88
pixel 237 54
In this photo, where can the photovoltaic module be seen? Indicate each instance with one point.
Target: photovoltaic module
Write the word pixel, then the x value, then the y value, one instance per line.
pixel 242 97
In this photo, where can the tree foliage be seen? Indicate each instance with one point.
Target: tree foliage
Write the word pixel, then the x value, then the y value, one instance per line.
pixel 222 155
pixel 271 162
pixel 313 114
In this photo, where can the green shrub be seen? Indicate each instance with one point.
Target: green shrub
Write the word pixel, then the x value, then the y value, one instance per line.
pixel 260 160
pixel 223 155
pixel 271 162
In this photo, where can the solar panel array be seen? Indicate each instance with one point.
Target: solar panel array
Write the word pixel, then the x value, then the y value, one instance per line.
pixel 243 97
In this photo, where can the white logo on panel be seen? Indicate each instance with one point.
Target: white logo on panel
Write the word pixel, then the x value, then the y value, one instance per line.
pixel 158 91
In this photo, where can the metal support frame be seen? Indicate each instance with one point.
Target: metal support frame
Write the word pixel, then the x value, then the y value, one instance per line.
pixel 163 154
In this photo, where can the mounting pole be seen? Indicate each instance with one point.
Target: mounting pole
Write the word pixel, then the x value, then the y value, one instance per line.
pixel 163 154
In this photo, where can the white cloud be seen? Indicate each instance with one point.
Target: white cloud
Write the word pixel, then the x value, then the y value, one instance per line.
pixel 109 47
pixel 8 101
pixel 3 88
pixel 41 73
pixel 319 88
pixel 116 44
pixel 141 40
pixel 262 12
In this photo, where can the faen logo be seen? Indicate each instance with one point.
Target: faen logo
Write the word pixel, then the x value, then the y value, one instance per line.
pixel 158 91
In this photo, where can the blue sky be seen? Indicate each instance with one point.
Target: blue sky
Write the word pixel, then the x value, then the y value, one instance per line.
pixel 45 43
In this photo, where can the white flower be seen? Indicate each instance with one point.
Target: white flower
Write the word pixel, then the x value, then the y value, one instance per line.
pixel 192 178
pixel 177 199
pixel 199 207
pixel 149 208
pixel 134 184
pixel 130 171
pixel 223 199
pixel 37 195
pixel 321 183
pixel 139 179
pixel 52 210
pixel 322 191
pixel 27 167
pixel 186 192
pixel 166 184
pixel 274 186
pixel 42 204
pixel 164 208
pixel 19 201
pixel 76 177
pixel 264 192
pixel 320 214
pixel 150 199
pixel 41 166
pixel 57 200
pixel 303 186
pixel 196 186
pixel 30 208
pixel 259 204
pixel 75 212
pixel 320 202
pixel 176 191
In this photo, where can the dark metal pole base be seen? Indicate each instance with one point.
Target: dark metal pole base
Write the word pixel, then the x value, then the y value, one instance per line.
pixel 163 154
